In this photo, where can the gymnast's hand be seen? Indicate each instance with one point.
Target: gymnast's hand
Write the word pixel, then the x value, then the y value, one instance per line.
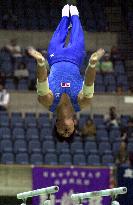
pixel 95 57
pixel 37 55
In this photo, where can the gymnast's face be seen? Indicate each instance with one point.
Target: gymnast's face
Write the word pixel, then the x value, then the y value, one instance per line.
pixel 65 127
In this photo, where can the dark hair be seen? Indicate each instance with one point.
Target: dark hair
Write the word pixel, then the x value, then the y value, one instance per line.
pixel 60 138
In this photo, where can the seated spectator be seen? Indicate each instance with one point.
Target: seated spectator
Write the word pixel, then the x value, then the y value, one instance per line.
pixel 112 119
pixel 98 67
pixel 89 129
pixel 4 98
pixel 115 54
pixel 13 48
pixel 21 72
pixel 106 64
pixel 127 131
pixel 124 137
pixel 122 157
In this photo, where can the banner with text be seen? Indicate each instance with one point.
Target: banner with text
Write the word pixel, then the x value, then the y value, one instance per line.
pixel 71 180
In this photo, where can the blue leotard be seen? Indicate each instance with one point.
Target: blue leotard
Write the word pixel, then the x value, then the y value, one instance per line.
pixel 65 72
pixel 66 61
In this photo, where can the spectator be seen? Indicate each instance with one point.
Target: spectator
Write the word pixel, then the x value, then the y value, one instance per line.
pixel 89 129
pixel 98 67
pixel 115 54
pixel 122 157
pixel 106 64
pixel 127 131
pixel 21 72
pixel 4 98
pixel 124 136
pixel 112 119
pixel 14 49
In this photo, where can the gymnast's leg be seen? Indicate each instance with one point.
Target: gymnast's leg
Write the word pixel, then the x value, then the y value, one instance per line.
pixel 76 44
pixel 77 34
pixel 60 34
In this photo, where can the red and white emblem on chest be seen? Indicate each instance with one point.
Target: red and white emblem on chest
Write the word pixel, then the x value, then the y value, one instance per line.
pixel 65 85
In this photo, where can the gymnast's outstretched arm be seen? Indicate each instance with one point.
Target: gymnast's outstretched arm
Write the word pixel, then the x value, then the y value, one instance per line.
pixel 88 86
pixel 45 96
pixel 90 72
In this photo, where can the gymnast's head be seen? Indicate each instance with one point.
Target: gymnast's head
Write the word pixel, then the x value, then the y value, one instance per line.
pixel 64 129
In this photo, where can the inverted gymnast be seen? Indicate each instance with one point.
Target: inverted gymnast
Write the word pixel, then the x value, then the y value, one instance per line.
pixel 64 91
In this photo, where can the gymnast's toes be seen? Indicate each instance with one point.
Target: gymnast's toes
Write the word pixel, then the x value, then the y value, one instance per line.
pixel 65 11
pixel 74 10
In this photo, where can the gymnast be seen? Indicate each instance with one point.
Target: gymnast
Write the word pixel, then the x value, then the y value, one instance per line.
pixel 63 91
